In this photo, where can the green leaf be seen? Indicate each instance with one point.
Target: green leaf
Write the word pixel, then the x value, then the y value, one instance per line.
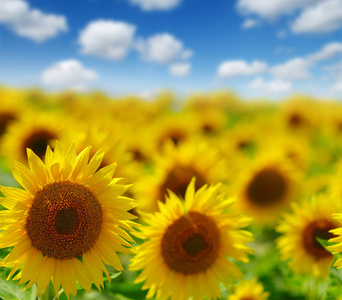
pixel 10 290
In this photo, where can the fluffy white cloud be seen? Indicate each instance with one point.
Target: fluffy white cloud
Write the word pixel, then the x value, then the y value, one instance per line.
pixel 68 74
pixel 325 16
pixel 162 48
pixel 149 5
pixel 274 86
pixel 30 23
pixel 234 68
pixel 328 51
pixel 271 9
pixel 294 69
pixel 250 23
pixel 108 39
pixel 180 69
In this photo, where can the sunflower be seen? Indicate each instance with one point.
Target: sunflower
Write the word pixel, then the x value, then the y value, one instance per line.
pixel 67 223
pixel 309 220
pixel 298 114
pixel 249 290
pixel 36 130
pixel 188 244
pixel 175 127
pixel 174 168
pixel 267 186
pixel 11 108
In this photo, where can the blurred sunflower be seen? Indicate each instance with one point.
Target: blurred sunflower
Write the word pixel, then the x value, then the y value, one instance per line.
pixel 67 223
pixel 36 130
pixel 299 114
pixel 188 244
pixel 266 187
pixel 309 220
pixel 11 108
pixel 249 290
pixel 208 122
pixel 173 127
pixel 173 170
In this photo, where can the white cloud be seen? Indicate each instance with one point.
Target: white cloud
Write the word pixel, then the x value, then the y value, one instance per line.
pixel 150 5
pixel 180 69
pixel 328 51
pixel 293 69
pixel 108 39
pixel 162 48
pixel 324 17
pixel 274 86
pixel 68 74
pixel 250 23
pixel 30 23
pixel 271 9
pixel 234 68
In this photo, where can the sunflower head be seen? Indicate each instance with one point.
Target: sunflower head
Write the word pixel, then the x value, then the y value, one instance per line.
pixel 187 245
pixel 266 187
pixel 173 170
pixel 67 222
pixel 300 229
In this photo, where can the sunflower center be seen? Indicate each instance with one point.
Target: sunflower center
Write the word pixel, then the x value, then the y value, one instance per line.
pixel 5 119
pixel 317 229
pixel 296 120
pixel 178 180
pixel 64 220
pixel 191 244
pixel 38 141
pixel 267 187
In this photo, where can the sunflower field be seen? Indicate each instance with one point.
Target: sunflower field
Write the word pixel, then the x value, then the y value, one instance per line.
pixel 208 197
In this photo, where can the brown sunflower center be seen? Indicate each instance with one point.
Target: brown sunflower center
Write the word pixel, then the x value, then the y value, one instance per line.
pixel 5 119
pixel 191 244
pixel 38 141
pixel 64 220
pixel 178 180
pixel 268 186
pixel 317 229
pixel 296 119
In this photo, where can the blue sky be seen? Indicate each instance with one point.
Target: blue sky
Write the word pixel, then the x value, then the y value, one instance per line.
pixel 256 48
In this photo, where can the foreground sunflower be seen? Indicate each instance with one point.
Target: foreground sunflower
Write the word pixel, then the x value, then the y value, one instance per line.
pixel 249 290
pixel 300 229
pixel 337 239
pixel 67 223
pixel 188 244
